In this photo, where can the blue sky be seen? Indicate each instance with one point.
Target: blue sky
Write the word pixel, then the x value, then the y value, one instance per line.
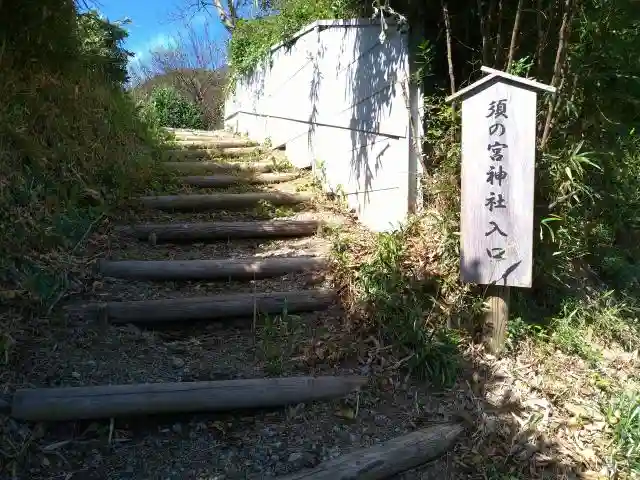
pixel 156 23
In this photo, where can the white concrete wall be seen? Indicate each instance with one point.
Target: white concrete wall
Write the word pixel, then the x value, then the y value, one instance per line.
pixel 337 99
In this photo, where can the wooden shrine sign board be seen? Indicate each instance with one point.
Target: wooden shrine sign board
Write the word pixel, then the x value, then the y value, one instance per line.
pixel 498 164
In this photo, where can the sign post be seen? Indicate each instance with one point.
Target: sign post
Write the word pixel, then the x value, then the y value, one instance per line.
pixel 498 166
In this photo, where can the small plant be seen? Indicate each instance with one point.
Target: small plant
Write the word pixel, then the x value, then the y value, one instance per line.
pixel 341 195
pixel 519 330
pixel 320 174
pixel 266 209
pixel 281 164
pixel 278 339
pixel 389 288
pixel 623 417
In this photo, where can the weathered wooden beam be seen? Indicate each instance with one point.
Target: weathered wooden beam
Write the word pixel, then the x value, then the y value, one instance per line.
pixel 389 458
pixel 216 143
pixel 495 318
pixel 221 181
pixel 198 132
pixel 223 201
pixel 82 403
pixel 210 152
pixel 223 230
pixel 235 269
pixel 240 151
pixel 214 307
pixel 196 167
pixel 191 137
pixel 183 155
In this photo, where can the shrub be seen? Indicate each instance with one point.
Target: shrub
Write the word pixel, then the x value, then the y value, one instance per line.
pixel 167 107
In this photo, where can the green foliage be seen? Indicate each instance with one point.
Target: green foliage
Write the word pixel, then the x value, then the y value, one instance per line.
pixel 100 46
pixel 205 88
pixel 402 299
pixel 279 338
pixel 253 38
pixel 38 33
pixel 587 248
pixel 623 417
pixel 587 252
pixel 167 107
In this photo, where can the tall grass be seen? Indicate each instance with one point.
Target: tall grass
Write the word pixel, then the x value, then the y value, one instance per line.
pixel 72 144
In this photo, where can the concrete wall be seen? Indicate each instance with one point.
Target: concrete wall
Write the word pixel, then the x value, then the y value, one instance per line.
pixel 339 100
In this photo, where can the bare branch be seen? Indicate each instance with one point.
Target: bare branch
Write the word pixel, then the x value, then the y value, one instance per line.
pixel 447 26
pixel 558 68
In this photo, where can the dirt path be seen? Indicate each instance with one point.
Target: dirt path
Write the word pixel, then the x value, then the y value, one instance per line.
pixel 77 350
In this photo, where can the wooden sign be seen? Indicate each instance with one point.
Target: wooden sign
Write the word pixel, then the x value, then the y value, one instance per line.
pixel 498 165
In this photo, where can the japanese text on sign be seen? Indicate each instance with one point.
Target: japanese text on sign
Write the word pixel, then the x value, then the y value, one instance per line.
pixel 496 174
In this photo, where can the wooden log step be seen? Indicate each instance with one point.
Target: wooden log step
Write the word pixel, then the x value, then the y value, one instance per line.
pixel 221 181
pixel 216 143
pixel 214 307
pixel 182 154
pixel 199 137
pixel 204 136
pixel 211 151
pixel 240 151
pixel 236 269
pixel 83 403
pixel 223 230
pixel 198 131
pixel 197 167
pixel 387 459
pixel 223 201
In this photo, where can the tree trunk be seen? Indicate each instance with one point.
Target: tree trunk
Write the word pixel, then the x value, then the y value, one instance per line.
pixel 563 41
pixel 514 36
pixel 447 27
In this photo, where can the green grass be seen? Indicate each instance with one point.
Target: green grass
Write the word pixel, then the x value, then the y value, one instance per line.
pixel 623 418
pixel 278 339
pixel 266 209
pixel 583 325
pixel 394 296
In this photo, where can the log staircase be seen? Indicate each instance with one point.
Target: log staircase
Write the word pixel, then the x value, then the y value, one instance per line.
pixel 224 178
pixel 126 400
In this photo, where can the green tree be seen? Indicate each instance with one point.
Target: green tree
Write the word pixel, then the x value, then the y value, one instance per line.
pixel 100 44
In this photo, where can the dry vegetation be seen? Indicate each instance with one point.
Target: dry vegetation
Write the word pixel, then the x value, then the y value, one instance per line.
pixel 72 151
